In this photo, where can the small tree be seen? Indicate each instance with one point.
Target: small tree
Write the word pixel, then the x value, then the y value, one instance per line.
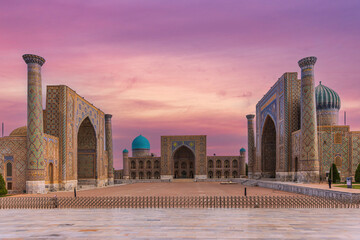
pixel 3 190
pixel 334 174
pixel 357 174
pixel 246 169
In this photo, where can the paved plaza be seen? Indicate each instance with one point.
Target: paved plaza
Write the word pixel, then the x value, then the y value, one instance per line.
pixel 172 189
pixel 181 223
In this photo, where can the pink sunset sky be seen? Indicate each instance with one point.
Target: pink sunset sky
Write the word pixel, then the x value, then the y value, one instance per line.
pixel 177 67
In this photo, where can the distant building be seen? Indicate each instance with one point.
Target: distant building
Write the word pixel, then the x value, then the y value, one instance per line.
pixel 181 157
pixel 297 132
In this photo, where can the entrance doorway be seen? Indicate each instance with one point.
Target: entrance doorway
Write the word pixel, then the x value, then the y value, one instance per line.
pixel 268 148
pixel 184 163
pixel 86 161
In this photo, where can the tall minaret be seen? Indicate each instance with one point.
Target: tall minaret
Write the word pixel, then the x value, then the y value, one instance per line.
pixel 309 159
pixel 126 173
pixel 242 162
pixel 251 145
pixel 109 147
pixel 35 178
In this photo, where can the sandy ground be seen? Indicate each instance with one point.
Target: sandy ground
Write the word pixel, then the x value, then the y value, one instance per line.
pixel 170 189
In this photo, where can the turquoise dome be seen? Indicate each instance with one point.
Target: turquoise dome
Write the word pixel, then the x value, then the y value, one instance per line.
pixel 242 150
pixel 326 98
pixel 125 151
pixel 140 142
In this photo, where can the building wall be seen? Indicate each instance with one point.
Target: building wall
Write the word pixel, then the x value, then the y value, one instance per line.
pixel 65 111
pixel 140 171
pixel 337 144
pixel 282 104
pixel 51 156
pixel 355 151
pixel 119 174
pixel 13 150
pixel 169 145
pixel 214 170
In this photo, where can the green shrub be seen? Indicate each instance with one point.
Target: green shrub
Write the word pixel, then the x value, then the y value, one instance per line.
pixel 246 169
pixel 3 190
pixel 357 174
pixel 336 176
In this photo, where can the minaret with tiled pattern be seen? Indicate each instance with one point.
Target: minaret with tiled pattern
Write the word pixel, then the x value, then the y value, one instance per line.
pixel 35 178
pixel 109 147
pixel 309 159
pixel 251 145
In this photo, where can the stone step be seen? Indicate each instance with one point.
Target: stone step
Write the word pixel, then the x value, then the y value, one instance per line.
pixel 86 187
pixel 181 180
pixel 86 182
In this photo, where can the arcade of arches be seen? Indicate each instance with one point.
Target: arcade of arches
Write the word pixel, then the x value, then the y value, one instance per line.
pixel 224 167
pixel 145 168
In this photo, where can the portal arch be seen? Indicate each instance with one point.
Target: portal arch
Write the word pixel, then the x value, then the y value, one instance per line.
pixel 87 152
pixel 268 148
pixel 183 162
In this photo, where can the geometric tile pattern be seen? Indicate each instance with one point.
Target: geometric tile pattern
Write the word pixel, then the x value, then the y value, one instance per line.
pixel 14 147
pixel 51 155
pixel 176 144
pixel 309 148
pixel 35 149
pixel 52 110
pixel 355 151
pixel 251 143
pixel 62 131
pixel 330 151
pixel 83 110
pixel 292 117
pixel 195 143
pixel 109 144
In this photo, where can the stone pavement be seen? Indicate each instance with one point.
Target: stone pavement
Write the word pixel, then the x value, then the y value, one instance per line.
pixel 171 189
pixel 180 224
pixel 325 186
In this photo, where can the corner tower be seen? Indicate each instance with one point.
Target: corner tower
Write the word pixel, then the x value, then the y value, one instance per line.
pixel 126 163
pixel 309 159
pixel 35 178
pixel 109 147
pixel 251 144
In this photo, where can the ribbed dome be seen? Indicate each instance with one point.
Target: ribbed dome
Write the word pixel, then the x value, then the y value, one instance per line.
pixel 326 98
pixel 140 142
pixel 19 132
pixel 242 150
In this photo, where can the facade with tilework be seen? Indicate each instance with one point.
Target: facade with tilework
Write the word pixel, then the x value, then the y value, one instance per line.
pixel 72 150
pixel 297 133
pixel 181 157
